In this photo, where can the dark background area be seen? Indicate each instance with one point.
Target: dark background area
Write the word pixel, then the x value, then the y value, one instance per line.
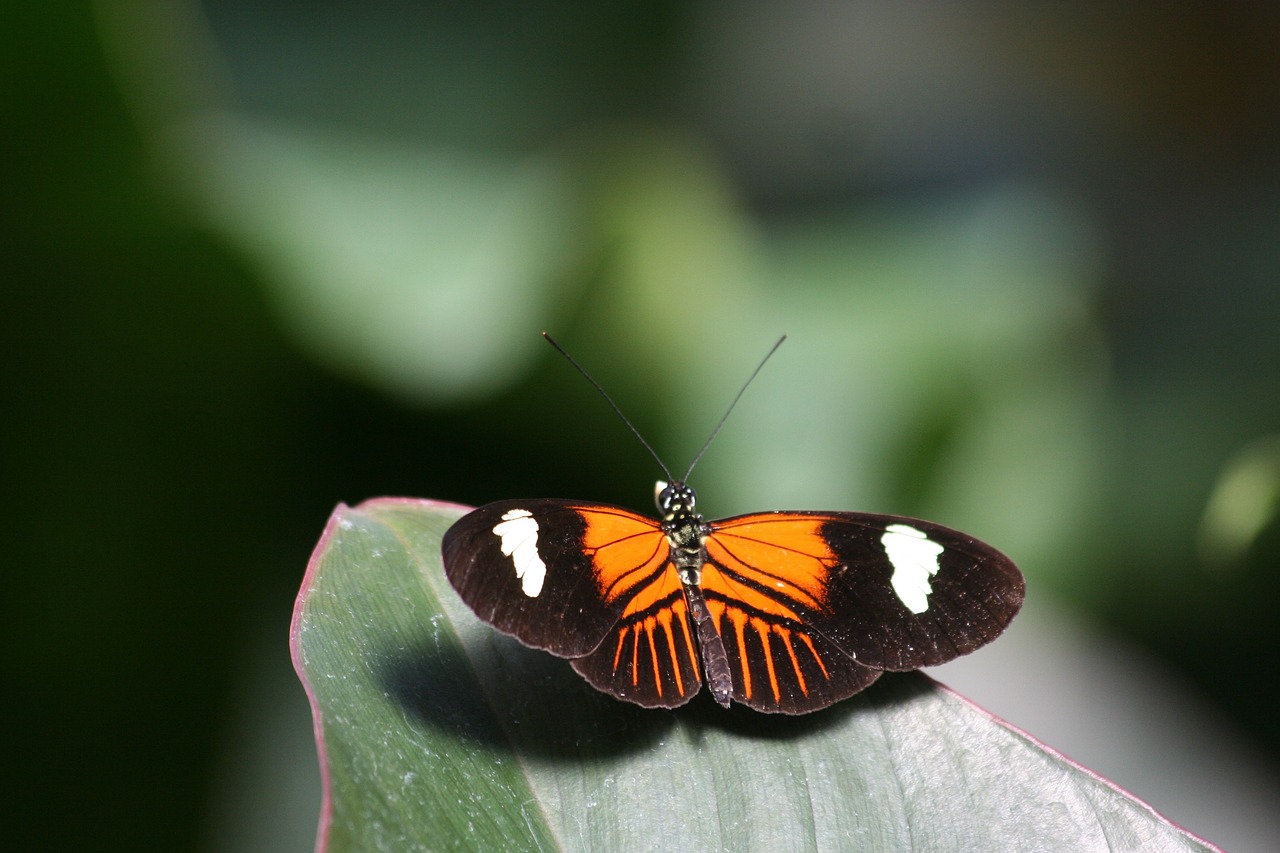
pixel 173 437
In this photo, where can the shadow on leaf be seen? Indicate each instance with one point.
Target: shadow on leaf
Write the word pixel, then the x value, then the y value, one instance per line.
pixel 509 697
pixel 523 700
pixel 891 689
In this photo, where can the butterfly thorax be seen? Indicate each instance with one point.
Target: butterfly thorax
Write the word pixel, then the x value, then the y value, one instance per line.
pixel 685 529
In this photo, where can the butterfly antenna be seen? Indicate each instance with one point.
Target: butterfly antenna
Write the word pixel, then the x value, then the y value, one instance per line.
pixel 609 400
pixel 729 410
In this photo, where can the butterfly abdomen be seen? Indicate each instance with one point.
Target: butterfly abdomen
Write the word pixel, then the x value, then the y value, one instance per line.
pixel 715 662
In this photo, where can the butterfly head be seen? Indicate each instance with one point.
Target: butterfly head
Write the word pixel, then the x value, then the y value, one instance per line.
pixel 674 500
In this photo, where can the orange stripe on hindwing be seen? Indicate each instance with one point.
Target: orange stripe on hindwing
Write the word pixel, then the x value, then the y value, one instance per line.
pixel 762 630
pixel 716 608
pixel 817 657
pixel 653 653
pixel 664 619
pixel 635 655
pixel 682 614
pixel 617 653
pixel 643 634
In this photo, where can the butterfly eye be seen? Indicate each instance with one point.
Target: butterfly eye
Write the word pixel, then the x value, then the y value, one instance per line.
pixel 675 499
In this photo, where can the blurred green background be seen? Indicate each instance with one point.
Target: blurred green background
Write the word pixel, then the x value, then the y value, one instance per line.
pixel 263 257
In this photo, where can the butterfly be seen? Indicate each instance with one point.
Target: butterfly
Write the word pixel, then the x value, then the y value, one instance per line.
pixel 785 612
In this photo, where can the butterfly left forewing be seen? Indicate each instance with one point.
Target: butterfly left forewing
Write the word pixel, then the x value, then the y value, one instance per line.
pixel 924 593
pixel 830 599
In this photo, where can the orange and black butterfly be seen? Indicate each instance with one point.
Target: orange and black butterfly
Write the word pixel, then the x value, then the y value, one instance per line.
pixel 781 611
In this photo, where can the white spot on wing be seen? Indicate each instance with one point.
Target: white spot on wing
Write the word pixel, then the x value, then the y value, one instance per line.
pixel 519 533
pixel 915 560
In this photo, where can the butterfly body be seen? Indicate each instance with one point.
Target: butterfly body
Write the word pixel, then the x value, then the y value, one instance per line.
pixel 782 611
pixel 686 533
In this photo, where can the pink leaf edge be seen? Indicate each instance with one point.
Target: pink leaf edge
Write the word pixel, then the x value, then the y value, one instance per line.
pixel 1097 777
pixel 295 648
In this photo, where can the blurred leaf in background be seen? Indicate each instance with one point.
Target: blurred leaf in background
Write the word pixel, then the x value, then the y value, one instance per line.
pixel 272 256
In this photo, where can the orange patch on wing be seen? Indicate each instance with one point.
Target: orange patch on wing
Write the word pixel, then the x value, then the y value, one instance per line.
pixel 625 549
pixel 664 585
pixel 782 552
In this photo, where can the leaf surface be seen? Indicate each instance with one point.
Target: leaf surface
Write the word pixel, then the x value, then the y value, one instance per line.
pixel 436 732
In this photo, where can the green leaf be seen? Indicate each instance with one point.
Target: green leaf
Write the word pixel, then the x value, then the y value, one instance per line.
pixel 436 732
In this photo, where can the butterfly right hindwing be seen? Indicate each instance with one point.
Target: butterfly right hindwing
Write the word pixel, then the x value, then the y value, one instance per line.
pixel 651 656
